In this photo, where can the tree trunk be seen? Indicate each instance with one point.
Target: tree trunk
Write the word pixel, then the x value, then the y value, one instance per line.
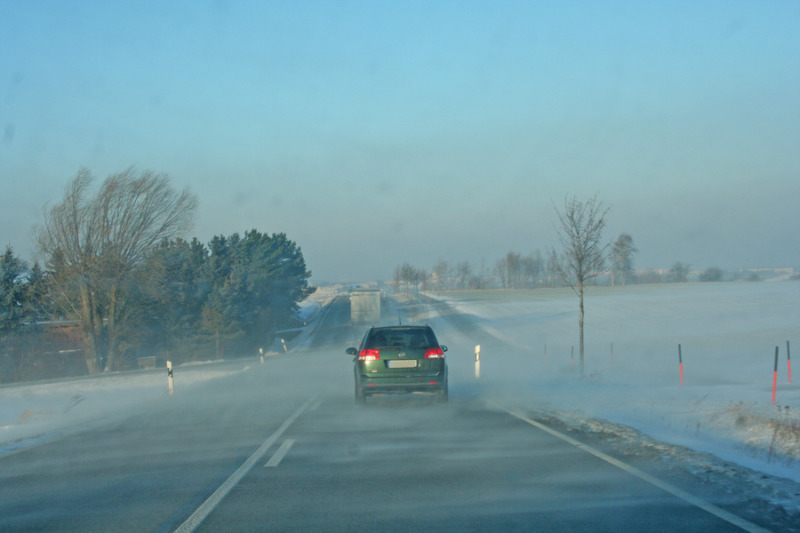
pixel 580 324
pixel 88 330
pixel 111 332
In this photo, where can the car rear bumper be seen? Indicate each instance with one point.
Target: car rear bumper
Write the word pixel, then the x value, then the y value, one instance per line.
pixel 395 385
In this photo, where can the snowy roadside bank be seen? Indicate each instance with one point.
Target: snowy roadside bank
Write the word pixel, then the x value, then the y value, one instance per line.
pixel 32 412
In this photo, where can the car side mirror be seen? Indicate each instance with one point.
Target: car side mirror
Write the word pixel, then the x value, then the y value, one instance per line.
pixel 351 351
pixel 444 348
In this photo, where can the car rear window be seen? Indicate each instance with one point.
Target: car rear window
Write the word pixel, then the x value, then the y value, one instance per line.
pixel 407 339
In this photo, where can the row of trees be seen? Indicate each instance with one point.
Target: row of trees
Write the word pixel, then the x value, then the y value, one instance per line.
pixel 514 271
pixel 119 272
pixel 517 271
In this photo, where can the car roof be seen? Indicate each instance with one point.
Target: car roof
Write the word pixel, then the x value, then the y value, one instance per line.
pixel 399 328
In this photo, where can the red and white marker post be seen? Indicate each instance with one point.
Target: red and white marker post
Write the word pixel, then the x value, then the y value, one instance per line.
pixel 775 376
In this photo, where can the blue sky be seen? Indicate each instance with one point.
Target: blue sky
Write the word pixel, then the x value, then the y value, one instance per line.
pixel 375 133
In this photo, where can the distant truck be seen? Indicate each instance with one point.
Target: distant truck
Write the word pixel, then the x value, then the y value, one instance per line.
pixel 365 305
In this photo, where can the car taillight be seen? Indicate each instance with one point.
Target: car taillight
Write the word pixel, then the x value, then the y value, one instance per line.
pixel 369 355
pixel 434 353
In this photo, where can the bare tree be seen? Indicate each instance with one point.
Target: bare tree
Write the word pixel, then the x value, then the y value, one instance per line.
pixel 532 268
pixel 97 243
pixel 463 275
pixel 580 228
pixel 410 276
pixel 712 274
pixel 622 259
pixel 679 272
pixel 439 275
pixel 552 268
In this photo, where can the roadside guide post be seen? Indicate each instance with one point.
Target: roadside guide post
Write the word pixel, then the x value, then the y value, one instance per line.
pixel 478 361
pixel 169 377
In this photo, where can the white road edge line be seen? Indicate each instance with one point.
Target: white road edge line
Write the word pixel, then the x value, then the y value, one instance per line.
pixel 276 459
pixel 212 501
pixel 675 491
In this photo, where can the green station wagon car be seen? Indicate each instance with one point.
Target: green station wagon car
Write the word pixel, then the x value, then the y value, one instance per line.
pixel 399 359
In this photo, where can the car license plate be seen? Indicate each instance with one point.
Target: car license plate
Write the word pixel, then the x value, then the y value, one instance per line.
pixel 401 363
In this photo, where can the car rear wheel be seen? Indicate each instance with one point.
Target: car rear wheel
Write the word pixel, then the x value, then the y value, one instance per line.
pixel 442 397
pixel 360 396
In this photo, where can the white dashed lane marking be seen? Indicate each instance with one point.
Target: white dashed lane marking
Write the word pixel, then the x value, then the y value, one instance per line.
pixel 281 452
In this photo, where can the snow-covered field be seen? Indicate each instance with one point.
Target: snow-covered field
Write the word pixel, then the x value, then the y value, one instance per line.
pixel 728 333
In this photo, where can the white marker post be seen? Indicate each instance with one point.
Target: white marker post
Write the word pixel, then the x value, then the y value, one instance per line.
pixel 261 352
pixel 478 361
pixel 285 349
pixel 169 377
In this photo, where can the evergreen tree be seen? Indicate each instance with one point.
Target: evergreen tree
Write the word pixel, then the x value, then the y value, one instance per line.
pixel 177 290
pixel 258 281
pixel 38 305
pixel 12 291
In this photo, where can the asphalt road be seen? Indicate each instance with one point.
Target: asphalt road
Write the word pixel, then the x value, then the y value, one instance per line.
pixel 283 447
